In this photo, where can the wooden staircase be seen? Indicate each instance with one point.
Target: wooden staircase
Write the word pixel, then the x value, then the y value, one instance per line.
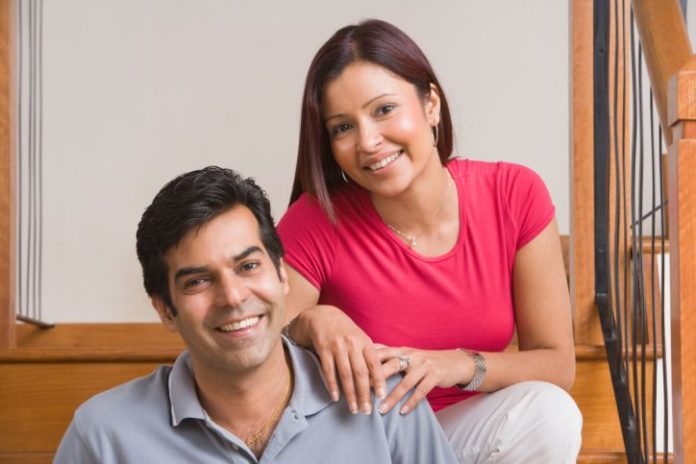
pixel 51 372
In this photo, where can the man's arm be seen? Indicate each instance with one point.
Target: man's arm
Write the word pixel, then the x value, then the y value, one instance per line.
pixel 417 437
pixel 72 448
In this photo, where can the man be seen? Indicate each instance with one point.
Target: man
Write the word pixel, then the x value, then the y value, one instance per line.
pixel 212 265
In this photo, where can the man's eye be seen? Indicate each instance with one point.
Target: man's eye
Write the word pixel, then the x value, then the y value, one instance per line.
pixel 250 266
pixel 194 282
pixel 385 109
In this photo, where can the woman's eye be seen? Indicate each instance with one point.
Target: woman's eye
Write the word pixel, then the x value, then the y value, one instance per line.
pixel 385 109
pixel 340 129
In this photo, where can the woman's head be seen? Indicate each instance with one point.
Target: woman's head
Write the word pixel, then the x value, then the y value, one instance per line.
pixel 375 42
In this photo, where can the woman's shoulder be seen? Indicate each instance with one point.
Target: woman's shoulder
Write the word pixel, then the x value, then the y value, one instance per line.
pixel 307 208
pixel 470 167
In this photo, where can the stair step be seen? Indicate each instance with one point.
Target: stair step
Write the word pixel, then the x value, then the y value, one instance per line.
pixel 598 456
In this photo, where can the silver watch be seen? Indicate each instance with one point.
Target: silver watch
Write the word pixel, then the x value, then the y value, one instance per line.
pixel 479 372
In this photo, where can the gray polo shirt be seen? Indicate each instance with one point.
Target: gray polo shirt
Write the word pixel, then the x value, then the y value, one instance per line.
pixel 158 419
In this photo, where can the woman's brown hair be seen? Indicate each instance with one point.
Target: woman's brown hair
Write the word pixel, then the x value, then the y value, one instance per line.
pixel 372 41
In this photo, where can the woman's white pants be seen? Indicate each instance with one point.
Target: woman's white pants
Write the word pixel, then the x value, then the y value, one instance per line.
pixel 529 422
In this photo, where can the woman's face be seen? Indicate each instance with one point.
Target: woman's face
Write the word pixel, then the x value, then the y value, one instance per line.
pixel 380 127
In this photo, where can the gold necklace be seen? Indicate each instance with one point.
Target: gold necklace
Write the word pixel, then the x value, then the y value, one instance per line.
pixel 413 239
pixel 252 440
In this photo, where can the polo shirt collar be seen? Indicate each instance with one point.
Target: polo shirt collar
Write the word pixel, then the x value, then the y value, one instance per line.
pixel 183 400
pixel 309 396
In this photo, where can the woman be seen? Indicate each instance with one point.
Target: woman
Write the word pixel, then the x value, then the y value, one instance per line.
pixel 402 259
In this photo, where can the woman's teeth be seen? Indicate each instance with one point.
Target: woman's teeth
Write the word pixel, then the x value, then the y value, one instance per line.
pixel 384 162
pixel 243 324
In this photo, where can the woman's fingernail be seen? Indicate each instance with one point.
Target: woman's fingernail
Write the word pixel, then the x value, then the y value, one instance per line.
pixel 353 408
pixel 382 408
pixel 403 410
pixel 334 396
pixel 381 393
pixel 367 408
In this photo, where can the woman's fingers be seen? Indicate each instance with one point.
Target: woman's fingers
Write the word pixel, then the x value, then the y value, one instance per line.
pixel 328 368
pixel 361 383
pixel 386 352
pixel 374 365
pixel 391 367
pixel 422 389
pixel 421 375
pixel 407 383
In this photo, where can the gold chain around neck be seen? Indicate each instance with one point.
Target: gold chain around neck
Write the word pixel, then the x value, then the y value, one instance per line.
pixel 253 440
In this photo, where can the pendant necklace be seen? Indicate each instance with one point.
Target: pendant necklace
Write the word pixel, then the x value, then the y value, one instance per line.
pixel 412 240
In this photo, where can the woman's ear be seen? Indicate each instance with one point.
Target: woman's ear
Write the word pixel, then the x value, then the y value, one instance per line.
pixel 432 105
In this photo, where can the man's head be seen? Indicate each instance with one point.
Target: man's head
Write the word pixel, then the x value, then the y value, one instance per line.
pixel 212 263
pixel 185 204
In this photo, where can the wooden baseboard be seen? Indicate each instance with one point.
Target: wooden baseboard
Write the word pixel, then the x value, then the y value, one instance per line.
pixel 26 458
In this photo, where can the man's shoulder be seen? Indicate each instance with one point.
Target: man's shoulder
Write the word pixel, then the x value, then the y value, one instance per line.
pixel 135 398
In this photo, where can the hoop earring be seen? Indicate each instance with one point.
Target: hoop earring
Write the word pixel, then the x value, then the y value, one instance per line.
pixel 343 175
pixel 436 134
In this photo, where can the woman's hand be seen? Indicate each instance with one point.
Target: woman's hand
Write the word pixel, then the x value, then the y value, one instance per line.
pixel 423 371
pixel 345 349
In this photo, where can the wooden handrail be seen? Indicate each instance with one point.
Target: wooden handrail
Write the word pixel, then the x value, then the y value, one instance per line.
pixel 7 314
pixel 672 70
pixel 666 48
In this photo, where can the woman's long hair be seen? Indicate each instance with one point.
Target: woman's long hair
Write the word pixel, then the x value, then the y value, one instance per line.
pixel 371 41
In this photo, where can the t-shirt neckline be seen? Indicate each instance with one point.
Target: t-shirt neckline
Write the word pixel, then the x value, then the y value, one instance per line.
pixel 384 229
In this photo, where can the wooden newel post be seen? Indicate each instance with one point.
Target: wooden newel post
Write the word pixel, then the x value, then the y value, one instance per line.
pixel 682 230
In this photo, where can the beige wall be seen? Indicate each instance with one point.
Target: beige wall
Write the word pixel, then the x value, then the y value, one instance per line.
pixel 138 91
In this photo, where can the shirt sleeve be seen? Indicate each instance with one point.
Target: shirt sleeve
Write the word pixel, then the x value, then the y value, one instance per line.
pixel 416 437
pixel 528 201
pixel 309 240
pixel 72 448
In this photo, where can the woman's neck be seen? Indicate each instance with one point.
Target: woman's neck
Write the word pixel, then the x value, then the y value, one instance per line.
pixel 423 205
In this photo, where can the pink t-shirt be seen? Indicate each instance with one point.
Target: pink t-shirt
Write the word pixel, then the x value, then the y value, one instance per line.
pixel 461 299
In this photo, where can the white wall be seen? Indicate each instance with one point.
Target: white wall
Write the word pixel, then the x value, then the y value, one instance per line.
pixel 138 91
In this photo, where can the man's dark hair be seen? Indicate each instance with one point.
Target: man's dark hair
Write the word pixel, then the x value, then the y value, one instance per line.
pixel 187 203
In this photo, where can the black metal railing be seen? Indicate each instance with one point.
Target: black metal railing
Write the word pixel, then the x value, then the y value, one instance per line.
pixel 630 234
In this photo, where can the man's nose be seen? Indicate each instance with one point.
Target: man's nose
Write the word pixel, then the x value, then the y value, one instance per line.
pixel 232 291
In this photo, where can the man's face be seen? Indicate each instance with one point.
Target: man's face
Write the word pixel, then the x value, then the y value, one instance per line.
pixel 229 297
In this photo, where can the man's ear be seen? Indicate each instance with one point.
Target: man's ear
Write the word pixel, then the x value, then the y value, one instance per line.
pixel 283 274
pixel 164 313
pixel 432 105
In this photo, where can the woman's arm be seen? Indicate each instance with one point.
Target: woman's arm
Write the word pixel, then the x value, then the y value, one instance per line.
pixel 341 345
pixel 544 331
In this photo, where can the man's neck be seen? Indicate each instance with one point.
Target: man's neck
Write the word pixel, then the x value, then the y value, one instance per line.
pixel 243 401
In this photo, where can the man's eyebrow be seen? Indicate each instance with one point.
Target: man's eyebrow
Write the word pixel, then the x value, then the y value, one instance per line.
pixel 250 250
pixel 363 106
pixel 186 271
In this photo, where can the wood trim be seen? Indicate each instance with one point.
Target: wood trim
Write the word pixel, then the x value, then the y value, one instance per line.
pixel 27 458
pixel 666 48
pixel 586 322
pixel 7 245
pixel 682 171
pixel 88 336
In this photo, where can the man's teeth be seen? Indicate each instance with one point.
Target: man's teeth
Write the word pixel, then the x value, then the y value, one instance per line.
pixel 384 162
pixel 243 324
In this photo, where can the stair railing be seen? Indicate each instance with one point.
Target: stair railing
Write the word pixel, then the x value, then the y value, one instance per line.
pixel 628 294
